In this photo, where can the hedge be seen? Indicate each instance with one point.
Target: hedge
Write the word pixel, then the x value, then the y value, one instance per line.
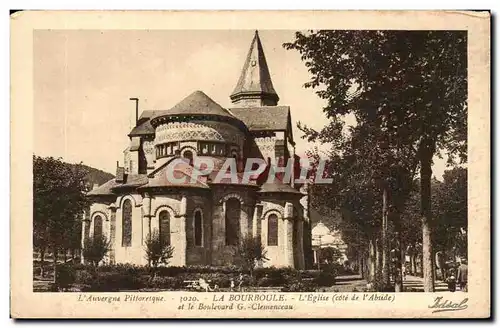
pixel 122 277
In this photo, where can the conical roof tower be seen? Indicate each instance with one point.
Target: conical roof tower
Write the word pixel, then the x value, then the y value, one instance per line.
pixel 254 87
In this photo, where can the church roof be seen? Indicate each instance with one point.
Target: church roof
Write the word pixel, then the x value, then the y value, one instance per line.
pixel 104 189
pixel 263 118
pixel 255 78
pixel 133 180
pixel 182 170
pixel 129 180
pixel 146 115
pixel 143 128
pixel 197 103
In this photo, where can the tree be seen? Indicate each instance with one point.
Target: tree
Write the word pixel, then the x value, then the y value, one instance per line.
pixel 95 249
pixel 251 252
pixel 58 202
pixel 410 84
pixel 367 177
pixel 450 213
pixel 330 255
pixel 157 250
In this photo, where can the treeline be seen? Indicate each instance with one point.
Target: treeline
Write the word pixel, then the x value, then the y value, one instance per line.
pixel 407 93
pixel 58 202
pixel 362 231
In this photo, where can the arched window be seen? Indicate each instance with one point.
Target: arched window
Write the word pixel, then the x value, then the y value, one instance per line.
pixel 233 213
pixel 97 226
pixel 198 229
pixel 164 227
pixel 272 230
pixel 127 224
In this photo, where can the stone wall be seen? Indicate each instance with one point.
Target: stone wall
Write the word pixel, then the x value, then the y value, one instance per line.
pixel 293 240
pixel 172 204
pixel 199 255
pixel 223 254
pixel 289 252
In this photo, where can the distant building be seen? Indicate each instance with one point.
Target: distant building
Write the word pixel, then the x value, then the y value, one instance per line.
pixel 323 237
pixel 206 220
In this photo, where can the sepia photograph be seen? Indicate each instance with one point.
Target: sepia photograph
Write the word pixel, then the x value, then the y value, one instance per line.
pixel 281 166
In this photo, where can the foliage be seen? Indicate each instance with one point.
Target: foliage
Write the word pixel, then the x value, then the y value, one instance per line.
pixel 65 276
pixel 114 281
pixel 96 247
pixel 251 251
pixel 58 202
pixel 122 277
pixel 327 274
pixel 157 251
pixel 330 255
pixel 450 212
pixel 357 73
pixel 94 176
pixel 165 283
pixel 272 276
pixel 299 287
pixel 449 204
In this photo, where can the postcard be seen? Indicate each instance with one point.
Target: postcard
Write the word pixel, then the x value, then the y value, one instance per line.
pixel 250 164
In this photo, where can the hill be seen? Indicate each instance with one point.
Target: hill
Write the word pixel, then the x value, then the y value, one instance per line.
pixel 95 176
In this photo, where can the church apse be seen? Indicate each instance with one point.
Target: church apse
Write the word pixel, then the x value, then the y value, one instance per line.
pixel 206 220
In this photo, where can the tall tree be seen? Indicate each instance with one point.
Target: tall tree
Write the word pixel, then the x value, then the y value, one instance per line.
pixel 355 191
pixel 412 85
pixel 450 212
pixel 58 202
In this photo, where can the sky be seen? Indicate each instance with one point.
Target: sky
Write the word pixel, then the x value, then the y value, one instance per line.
pixel 83 80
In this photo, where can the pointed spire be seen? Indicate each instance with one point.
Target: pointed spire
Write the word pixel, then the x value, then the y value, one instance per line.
pixel 254 87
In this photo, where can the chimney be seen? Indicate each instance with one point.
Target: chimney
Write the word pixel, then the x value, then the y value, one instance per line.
pixel 136 109
pixel 96 185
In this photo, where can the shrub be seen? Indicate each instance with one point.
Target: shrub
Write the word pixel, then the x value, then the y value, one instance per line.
pixel 84 277
pixel 157 250
pixel 299 287
pixel 65 276
pixel 265 282
pixel 325 279
pixel 132 277
pixel 95 249
pixel 251 251
pixel 37 271
pixel 114 281
pixel 326 276
pixel 274 276
pixel 166 283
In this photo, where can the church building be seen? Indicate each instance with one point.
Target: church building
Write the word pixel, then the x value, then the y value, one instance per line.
pixel 206 221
